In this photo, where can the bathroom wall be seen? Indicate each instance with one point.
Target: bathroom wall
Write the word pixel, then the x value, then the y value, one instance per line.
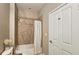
pixel 44 13
pixel 25 31
pixel 4 24
pixel 27 13
pixel 26 19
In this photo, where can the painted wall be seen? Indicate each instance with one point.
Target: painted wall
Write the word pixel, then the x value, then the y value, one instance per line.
pixel 44 13
pixel 4 23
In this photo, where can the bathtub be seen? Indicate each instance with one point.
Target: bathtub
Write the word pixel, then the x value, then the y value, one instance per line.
pixel 25 49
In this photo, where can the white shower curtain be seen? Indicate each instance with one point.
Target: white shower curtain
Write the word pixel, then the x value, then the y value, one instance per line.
pixel 37 36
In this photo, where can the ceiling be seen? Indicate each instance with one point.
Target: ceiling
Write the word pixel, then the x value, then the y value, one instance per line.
pixel 31 6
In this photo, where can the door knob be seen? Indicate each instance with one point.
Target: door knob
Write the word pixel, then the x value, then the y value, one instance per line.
pixel 59 18
pixel 50 41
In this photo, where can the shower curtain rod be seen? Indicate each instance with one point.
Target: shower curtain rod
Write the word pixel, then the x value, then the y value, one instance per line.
pixel 27 18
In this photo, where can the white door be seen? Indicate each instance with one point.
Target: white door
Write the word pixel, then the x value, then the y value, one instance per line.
pixel 57 32
pixel 60 31
pixel 66 29
pixel 54 30
pixel 50 33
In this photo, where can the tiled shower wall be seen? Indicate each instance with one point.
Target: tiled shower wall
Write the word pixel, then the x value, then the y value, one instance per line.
pixel 25 31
